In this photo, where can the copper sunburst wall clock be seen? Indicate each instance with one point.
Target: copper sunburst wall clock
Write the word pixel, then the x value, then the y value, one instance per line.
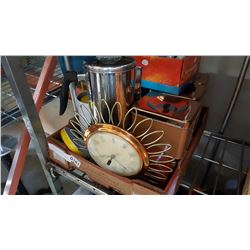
pixel 119 148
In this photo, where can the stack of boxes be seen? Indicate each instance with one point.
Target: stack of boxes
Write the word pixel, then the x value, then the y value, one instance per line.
pixel 166 79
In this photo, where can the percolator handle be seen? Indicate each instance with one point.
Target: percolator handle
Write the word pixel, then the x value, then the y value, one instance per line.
pixel 137 88
pixel 69 77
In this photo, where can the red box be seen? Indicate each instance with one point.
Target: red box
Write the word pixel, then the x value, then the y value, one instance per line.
pixel 166 74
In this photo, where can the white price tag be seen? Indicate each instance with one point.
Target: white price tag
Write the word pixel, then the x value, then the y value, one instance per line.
pixel 61 153
pixel 74 160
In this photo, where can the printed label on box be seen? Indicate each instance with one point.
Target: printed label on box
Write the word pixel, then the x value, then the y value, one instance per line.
pixel 61 154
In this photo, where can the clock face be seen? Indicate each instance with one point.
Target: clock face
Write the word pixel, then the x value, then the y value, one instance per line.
pixel 115 153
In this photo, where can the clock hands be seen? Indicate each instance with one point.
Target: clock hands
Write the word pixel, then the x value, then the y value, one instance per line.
pixel 110 160
pixel 120 164
pixel 113 157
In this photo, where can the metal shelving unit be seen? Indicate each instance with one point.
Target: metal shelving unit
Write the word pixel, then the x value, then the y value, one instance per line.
pixel 214 172
pixel 9 109
pixel 80 179
pixel 208 161
pixel 227 169
pixel 42 86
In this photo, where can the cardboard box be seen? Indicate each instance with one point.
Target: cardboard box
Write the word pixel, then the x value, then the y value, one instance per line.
pixel 97 174
pixel 169 75
pixel 122 185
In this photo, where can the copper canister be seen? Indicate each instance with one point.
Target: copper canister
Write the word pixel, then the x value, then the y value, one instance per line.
pixel 178 129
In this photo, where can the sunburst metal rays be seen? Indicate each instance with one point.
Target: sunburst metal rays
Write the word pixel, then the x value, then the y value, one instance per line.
pixel 160 162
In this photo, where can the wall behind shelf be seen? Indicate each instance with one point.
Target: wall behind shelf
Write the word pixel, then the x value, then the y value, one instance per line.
pixel 223 73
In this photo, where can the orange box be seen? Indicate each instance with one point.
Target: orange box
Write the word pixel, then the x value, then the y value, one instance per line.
pixel 169 75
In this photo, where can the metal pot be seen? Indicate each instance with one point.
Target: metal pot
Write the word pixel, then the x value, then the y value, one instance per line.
pixel 113 79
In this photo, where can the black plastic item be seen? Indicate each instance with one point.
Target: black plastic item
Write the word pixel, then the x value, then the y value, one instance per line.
pixel 69 77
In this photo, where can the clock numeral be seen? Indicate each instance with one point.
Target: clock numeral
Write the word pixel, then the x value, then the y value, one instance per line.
pixel 102 139
pixel 96 142
pixel 113 140
pixel 124 146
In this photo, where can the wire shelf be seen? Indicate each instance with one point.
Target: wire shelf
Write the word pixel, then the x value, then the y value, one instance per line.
pixel 32 68
pixel 218 166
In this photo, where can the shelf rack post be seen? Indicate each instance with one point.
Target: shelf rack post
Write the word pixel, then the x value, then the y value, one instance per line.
pixel 230 108
pixel 29 109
